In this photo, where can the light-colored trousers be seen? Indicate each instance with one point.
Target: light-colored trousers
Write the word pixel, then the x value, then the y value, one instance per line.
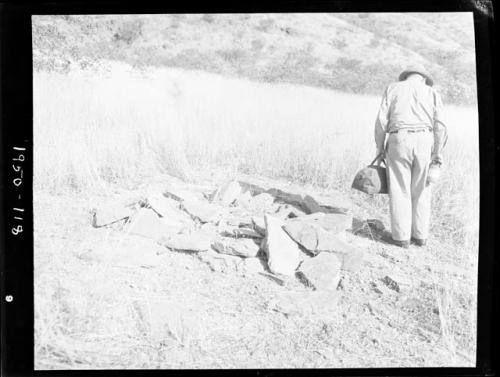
pixel 408 156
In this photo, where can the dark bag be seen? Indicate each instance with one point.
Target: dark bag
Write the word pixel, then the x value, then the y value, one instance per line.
pixel 372 179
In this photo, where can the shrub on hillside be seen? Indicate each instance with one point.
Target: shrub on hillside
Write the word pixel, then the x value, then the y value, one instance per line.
pixel 129 31
pixel 265 25
pixel 208 18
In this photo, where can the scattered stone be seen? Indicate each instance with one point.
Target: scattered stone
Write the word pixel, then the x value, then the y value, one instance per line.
pixel 370 228
pixel 391 284
pixel 403 281
pixel 202 211
pixel 228 194
pixel 375 288
pixel 358 225
pixel 321 272
pixel 375 225
pixel 283 254
pixel 109 214
pixel 147 223
pixel 191 242
pixel 242 247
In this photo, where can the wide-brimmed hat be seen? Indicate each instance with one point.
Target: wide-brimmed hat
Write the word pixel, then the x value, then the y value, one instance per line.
pixel 416 68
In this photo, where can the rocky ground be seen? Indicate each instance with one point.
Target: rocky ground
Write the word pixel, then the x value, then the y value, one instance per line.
pixel 240 273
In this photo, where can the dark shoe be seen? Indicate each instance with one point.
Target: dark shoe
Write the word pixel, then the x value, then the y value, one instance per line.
pixel 403 244
pixel 419 241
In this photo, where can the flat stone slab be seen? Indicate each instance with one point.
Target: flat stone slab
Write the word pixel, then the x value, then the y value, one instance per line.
pixel 350 256
pixel 238 220
pixel 244 199
pixel 191 242
pixel 296 200
pixel 331 222
pixel 147 223
pixel 306 202
pixel 242 247
pixel 321 272
pixel 334 203
pixel 259 225
pixel 202 211
pixel 259 203
pixel 253 188
pixel 168 209
pixel 221 262
pixel 312 237
pixel 316 239
pixel 242 232
pixel 227 194
pixel 283 254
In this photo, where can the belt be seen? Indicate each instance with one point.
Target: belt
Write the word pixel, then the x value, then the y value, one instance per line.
pixel 409 130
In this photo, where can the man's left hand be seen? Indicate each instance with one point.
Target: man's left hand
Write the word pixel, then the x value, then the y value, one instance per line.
pixel 380 157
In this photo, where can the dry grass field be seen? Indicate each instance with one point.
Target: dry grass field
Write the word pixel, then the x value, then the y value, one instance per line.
pixel 99 294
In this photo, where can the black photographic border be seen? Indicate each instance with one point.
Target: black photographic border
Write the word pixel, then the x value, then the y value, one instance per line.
pixel 16 127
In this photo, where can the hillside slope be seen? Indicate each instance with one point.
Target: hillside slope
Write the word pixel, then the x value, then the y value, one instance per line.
pixel 357 53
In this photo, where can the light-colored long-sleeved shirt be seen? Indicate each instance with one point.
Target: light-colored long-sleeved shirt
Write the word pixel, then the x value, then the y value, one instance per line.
pixel 411 104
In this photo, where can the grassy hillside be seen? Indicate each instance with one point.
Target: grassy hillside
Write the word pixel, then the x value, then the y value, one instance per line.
pixel 126 126
pixel 355 53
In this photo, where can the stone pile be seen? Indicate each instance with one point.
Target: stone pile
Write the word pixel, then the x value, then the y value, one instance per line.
pixel 241 226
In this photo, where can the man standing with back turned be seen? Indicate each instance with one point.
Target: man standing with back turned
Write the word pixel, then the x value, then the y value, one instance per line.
pixel 410 114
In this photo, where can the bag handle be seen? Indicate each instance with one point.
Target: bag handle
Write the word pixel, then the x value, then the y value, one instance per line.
pixel 380 161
